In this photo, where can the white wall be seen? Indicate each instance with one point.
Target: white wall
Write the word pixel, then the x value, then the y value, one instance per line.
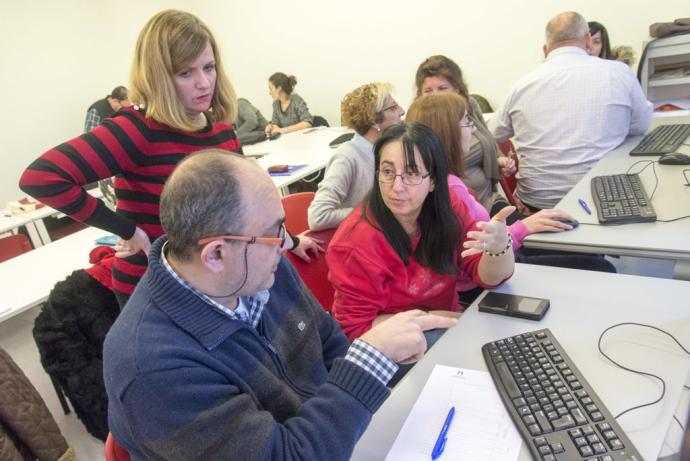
pixel 60 56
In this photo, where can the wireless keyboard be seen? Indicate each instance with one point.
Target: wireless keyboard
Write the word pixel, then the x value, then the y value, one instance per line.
pixel 663 139
pixel 556 411
pixel 621 199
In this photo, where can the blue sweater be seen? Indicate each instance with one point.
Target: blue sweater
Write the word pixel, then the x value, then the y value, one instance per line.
pixel 187 382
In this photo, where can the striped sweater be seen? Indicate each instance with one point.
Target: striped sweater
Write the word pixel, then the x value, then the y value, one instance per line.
pixel 142 153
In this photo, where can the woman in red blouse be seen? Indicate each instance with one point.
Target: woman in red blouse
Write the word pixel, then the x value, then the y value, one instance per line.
pixel 406 246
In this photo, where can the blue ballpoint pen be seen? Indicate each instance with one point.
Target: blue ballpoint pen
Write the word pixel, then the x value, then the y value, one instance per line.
pixel 443 436
pixel 584 205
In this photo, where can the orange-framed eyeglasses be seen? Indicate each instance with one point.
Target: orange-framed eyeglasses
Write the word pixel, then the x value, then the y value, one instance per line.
pixel 279 240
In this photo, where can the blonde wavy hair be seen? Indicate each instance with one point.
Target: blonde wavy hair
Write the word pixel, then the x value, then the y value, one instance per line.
pixel 361 108
pixel 168 43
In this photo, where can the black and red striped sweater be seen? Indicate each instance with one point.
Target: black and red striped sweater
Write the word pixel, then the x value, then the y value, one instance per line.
pixel 142 153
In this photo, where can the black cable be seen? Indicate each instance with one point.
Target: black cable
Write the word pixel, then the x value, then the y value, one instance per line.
pixel 674 219
pixel 244 280
pixel 663 383
pixel 679 423
pixel 656 178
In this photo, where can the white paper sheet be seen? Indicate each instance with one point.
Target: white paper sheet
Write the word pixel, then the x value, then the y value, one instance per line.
pixel 481 429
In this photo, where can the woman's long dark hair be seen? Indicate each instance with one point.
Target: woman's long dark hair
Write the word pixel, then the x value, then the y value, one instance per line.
pixel 595 27
pixel 439 225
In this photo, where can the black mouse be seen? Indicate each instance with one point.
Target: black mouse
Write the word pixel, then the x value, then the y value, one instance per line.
pixel 573 222
pixel 273 136
pixel 674 159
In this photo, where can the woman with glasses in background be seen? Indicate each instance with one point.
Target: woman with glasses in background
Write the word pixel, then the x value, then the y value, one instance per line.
pixel 408 244
pixel 368 109
pixel 483 162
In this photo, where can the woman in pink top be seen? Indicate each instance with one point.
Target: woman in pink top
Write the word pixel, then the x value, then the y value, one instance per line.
pixel 447 115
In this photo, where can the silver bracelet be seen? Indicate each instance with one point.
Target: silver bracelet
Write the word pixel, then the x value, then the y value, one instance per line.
pixel 502 252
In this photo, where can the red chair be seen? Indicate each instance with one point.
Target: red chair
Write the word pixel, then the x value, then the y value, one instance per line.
pixel 509 183
pixel 113 451
pixel 14 245
pixel 296 206
pixel 314 274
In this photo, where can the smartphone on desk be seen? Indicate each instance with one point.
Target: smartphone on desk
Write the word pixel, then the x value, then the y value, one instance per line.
pixel 514 305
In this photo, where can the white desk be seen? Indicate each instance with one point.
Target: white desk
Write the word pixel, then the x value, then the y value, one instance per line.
pixel 26 280
pixel 305 147
pixel 653 240
pixel 33 221
pixel 583 304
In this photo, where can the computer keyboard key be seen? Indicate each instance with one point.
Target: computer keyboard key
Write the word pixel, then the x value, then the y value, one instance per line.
pixel 543 422
pixel 508 381
pixel 534 429
pixel 598 448
pixel 586 450
pixel 548 458
pixel 580 442
pixel 578 416
pixel 597 416
pixel 544 450
pixel 615 444
pixel 563 422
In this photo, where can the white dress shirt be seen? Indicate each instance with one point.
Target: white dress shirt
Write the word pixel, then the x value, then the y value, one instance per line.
pixel 564 116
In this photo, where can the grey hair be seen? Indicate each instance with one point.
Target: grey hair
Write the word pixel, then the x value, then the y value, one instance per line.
pixel 202 198
pixel 566 27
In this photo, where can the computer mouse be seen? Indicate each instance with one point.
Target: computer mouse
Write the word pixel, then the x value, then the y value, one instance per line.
pixel 572 222
pixel 674 159
pixel 273 136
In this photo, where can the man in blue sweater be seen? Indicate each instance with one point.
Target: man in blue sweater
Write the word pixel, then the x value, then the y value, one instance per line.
pixel 222 353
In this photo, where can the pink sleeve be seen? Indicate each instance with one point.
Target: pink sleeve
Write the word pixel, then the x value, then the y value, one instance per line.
pixel 518 230
pixel 460 190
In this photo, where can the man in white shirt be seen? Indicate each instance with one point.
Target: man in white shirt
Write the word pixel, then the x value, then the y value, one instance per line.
pixel 567 113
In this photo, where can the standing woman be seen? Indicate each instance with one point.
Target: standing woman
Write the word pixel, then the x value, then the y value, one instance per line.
pixel 483 162
pixel 369 110
pixel 185 103
pixel 290 112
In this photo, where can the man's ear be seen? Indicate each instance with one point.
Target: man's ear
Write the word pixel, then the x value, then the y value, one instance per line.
pixel 545 49
pixel 588 41
pixel 213 255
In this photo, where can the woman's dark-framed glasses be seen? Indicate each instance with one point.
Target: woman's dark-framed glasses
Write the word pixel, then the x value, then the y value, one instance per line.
pixel 410 178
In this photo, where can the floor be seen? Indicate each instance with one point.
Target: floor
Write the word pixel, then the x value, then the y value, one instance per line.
pixel 17 340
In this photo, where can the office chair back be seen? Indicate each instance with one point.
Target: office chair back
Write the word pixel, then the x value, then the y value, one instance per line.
pixel 296 206
pixel 113 450
pixel 314 274
pixel 509 183
pixel 14 245
pixel 319 121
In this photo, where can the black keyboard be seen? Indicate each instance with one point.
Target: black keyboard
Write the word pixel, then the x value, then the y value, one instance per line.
pixel 621 199
pixel 663 139
pixel 557 412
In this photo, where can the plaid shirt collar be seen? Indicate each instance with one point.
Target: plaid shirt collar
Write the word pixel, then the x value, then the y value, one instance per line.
pixel 249 308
